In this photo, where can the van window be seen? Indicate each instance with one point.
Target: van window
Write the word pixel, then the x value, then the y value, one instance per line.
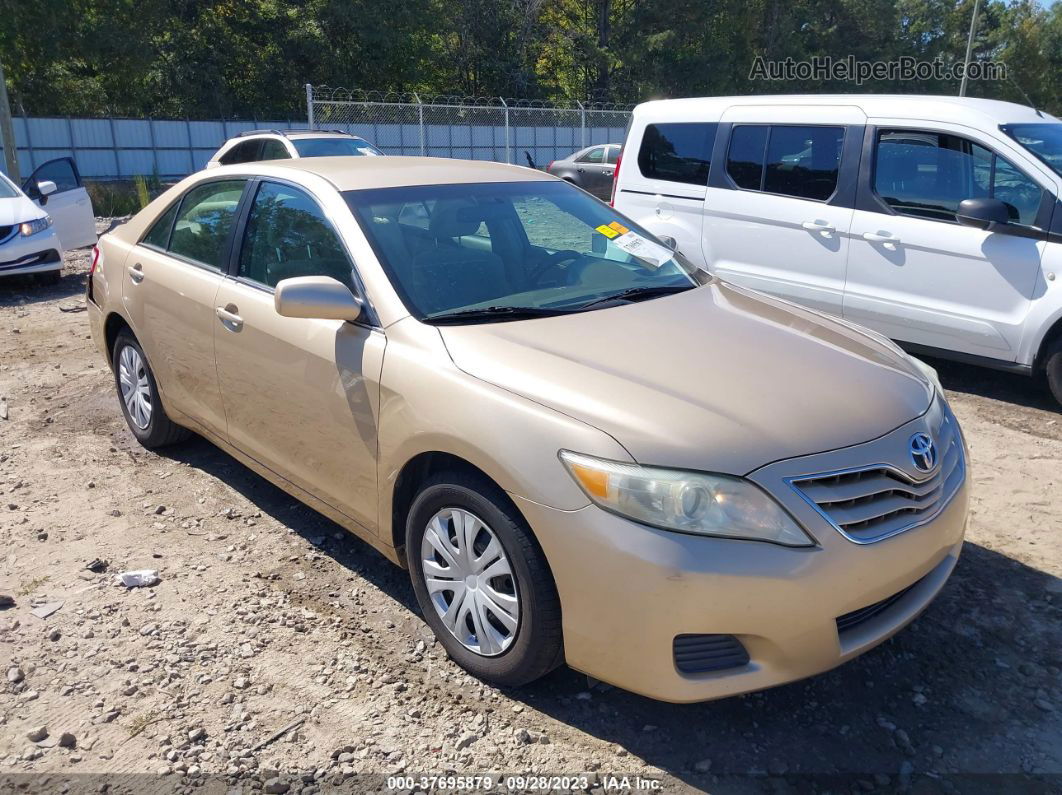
pixel 803 161
pixel 680 152
pixel 799 161
pixel 926 175
pixel 744 159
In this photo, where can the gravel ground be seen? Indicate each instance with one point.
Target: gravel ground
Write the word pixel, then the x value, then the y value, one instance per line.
pixel 268 617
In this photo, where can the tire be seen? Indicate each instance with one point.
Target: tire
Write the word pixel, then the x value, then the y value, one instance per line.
pixel 1053 368
pixel 152 428
pixel 505 657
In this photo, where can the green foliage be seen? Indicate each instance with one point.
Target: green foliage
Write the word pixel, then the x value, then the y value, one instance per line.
pixel 251 58
pixel 141 187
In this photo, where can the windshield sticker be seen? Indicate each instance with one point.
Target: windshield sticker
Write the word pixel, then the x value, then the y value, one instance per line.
pixel 653 254
pixel 607 231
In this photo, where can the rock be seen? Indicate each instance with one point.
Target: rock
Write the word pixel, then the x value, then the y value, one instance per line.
pixel 703 766
pixel 240 683
pixel 67 740
pixel 466 740
pixel 523 736
pixel 275 786
pixel 55 634
pixel 6 601
pixel 15 675
pixel 37 734
pixel 197 734
pixel 1044 704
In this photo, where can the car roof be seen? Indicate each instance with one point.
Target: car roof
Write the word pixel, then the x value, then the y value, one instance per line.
pixel 920 106
pixel 361 173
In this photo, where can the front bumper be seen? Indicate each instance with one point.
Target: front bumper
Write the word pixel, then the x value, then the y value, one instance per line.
pixel 627 591
pixel 34 254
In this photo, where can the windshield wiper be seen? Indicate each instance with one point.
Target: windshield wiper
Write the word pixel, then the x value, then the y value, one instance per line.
pixel 489 313
pixel 638 293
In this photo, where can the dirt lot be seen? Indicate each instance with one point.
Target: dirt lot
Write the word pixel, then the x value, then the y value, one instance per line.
pixel 267 614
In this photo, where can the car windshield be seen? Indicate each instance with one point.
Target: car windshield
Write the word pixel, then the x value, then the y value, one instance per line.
pixel 505 251
pixel 1043 140
pixel 7 188
pixel 329 147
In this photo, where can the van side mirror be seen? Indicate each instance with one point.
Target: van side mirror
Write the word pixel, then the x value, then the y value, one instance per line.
pixel 317 297
pixel 982 213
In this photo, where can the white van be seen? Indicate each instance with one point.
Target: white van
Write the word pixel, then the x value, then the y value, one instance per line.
pixel 935 221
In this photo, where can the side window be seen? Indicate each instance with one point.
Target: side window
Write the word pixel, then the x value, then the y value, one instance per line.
pixel 677 152
pixel 159 234
pixel 204 221
pixel 288 235
pixel 744 158
pixel 926 175
pixel 60 171
pixel 803 161
pixel 612 155
pixel 595 155
pixel 272 149
pixel 243 152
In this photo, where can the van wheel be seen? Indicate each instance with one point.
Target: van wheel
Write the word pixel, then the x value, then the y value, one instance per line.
pixel 138 395
pixel 482 583
pixel 1053 368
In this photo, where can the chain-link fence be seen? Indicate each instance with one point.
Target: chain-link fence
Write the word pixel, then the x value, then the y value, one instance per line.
pixel 474 128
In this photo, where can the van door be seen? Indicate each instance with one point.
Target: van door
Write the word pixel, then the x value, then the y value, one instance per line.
pixel 779 203
pixel 70 206
pixel 914 273
pixel 663 178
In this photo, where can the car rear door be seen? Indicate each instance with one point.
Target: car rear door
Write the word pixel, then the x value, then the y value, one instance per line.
pixel 171 280
pixel 590 169
pixel 778 207
pixel 918 276
pixel 301 395
pixel 70 206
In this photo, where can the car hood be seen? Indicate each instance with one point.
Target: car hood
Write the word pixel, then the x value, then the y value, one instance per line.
pixel 17 209
pixel 717 378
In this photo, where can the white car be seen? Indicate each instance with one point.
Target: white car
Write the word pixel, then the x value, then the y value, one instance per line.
pixel 256 145
pixel 50 214
pixel 935 221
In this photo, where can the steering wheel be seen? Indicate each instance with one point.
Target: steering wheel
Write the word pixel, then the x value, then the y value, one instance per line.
pixel 552 261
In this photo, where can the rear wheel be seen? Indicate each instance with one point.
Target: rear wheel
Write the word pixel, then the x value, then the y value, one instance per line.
pixel 139 396
pixel 481 580
pixel 1053 368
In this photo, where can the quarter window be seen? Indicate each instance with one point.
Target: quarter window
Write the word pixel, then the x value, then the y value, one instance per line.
pixel 927 174
pixel 204 222
pixel 612 155
pixel 680 152
pixel 789 160
pixel 159 235
pixel 244 152
pixel 272 149
pixel 288 235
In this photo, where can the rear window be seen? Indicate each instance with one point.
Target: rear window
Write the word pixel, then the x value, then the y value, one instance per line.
pixel 331 147
pixel 680 152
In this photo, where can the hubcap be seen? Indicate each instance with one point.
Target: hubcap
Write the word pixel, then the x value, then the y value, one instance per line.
pixel 136 389
pixel 470 581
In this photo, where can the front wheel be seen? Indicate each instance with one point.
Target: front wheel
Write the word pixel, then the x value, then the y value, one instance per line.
pixel 139 396
pixel 482 582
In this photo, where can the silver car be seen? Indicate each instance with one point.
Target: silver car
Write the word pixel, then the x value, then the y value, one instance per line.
pixel 591 169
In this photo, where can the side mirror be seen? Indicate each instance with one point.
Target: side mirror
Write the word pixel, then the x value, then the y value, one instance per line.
pixel 982 213
pixel 46 187
pixel 318 297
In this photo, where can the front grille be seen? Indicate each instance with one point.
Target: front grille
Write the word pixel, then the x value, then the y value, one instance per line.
pixel 852 620
pixel 697 654
pixel 873 503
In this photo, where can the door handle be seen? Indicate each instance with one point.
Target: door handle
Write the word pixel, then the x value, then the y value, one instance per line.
pixel 136 273
pixel 818 226
pixel 228 317
pixel 888 240
pixel 608 173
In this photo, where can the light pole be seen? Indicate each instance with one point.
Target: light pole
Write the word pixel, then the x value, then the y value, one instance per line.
pixel 7 132
pixel 969 50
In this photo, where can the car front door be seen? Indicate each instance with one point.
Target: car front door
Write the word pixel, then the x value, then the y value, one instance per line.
pixel 301 396
pixel 918 276
pixel 70 206
pixel 172 277
pixel 778 206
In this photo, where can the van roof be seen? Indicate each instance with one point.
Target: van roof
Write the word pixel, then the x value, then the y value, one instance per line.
pixel 915 106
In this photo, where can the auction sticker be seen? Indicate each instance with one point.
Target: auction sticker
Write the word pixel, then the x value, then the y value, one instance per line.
pixel 644 249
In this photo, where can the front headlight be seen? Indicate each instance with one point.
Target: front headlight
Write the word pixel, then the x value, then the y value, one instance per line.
pixel 687 502
pixel 36 225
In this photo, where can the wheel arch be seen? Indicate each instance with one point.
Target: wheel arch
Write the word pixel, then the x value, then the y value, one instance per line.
pixel 1053 333
pixel 112 327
